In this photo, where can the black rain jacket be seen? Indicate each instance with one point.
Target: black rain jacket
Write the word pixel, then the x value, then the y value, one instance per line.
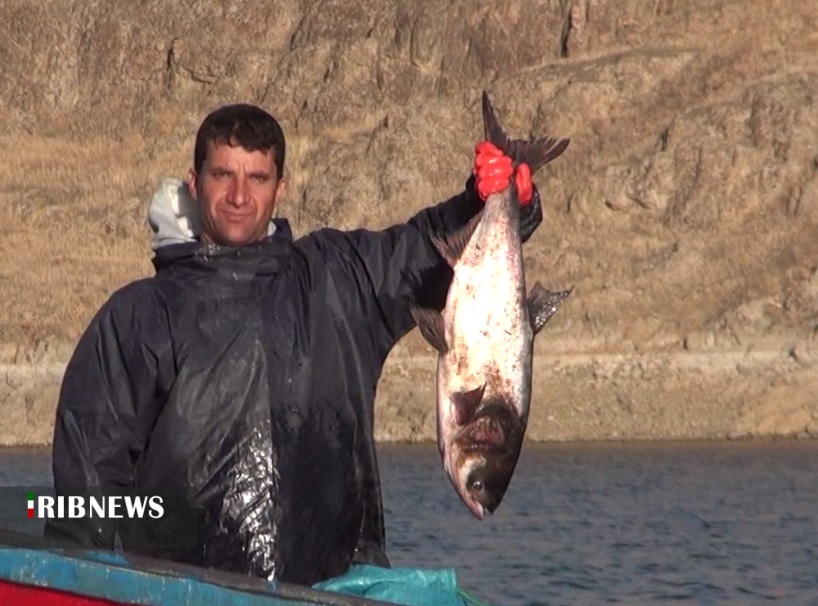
pixel 245 378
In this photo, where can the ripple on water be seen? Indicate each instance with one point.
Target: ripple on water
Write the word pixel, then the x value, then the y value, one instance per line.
pixel 713 523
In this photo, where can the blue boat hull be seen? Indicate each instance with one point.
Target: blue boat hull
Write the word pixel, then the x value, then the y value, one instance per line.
pixel 33 572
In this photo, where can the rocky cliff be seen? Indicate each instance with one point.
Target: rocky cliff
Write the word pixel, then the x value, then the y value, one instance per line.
pixel 684 213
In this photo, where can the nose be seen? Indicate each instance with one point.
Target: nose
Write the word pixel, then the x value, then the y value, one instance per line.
pixel 237 194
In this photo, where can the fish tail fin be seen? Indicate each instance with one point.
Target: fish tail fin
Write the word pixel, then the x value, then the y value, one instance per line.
pixel 534 152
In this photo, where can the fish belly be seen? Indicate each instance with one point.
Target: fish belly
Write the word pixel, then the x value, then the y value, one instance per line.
pixel 486 320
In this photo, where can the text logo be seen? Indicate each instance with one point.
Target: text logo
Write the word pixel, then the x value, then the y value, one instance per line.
pixel 107 507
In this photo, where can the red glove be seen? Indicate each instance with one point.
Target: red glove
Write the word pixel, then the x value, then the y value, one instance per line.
pixel 493 169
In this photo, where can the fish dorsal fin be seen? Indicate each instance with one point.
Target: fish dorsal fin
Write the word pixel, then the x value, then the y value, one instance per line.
pixel 451 246
pixel 542 304
pixel 466 403
pixel 431 326
pixel 534 152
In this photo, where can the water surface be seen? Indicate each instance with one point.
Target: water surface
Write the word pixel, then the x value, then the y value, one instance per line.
pixel 701 523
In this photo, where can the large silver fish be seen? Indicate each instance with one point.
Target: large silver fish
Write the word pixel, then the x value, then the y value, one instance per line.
pixel 485 335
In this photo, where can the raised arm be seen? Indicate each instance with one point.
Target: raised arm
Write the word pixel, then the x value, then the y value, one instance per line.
pixel 399 266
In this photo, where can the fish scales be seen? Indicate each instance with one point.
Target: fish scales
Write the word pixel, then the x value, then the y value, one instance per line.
pixel 488 328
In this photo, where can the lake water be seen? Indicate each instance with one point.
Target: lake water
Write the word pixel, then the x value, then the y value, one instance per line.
pixel 702 523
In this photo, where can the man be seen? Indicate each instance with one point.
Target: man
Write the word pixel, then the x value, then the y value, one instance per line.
pixel 243 374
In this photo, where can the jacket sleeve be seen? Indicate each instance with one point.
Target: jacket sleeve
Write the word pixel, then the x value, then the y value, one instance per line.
pixel 400 266
pixel 99 431
pixel 379 274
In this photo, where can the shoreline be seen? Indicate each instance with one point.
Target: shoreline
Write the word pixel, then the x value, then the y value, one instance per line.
pixel 556 446
pixel 612 397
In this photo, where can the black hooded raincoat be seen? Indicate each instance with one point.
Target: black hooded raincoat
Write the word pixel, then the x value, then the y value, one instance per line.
pixel 245 378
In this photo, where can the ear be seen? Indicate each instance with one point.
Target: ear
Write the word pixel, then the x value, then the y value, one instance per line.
pixel 191 184
pixel 281 187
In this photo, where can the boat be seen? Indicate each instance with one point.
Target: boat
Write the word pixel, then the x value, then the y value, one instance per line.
pixel 34 572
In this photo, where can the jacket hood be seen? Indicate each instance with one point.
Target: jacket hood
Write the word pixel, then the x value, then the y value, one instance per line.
pixel 174 219
pixel 173 215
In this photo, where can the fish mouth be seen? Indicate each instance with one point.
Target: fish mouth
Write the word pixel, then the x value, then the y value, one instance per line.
pixel 478 510
pixel 485 454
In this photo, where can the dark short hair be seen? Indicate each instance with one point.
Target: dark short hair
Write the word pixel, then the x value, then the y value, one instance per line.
pixel 241 124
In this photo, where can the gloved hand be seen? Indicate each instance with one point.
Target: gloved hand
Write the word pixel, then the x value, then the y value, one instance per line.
pixel 491 173
pixel 493 169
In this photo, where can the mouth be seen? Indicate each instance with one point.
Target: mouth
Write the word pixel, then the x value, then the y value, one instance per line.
pixel 236 217
pixel 477 510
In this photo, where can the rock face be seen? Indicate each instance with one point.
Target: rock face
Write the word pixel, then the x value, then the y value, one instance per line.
pixel 684 212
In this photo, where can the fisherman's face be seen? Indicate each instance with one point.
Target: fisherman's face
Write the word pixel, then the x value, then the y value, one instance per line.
pixel 237 191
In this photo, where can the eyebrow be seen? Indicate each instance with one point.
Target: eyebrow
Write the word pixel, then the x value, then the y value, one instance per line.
pixel 218 168
pixel 252 173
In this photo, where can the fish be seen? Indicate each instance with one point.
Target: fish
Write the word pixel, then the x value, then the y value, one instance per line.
pixel 484 336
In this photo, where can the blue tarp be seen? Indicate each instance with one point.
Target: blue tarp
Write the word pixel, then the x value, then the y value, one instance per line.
pixel 407 586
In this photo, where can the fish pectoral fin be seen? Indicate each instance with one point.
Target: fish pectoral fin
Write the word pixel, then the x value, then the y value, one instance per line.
pixel 431 326
pixel 466 403
pixel 451 246
pixel 542 304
